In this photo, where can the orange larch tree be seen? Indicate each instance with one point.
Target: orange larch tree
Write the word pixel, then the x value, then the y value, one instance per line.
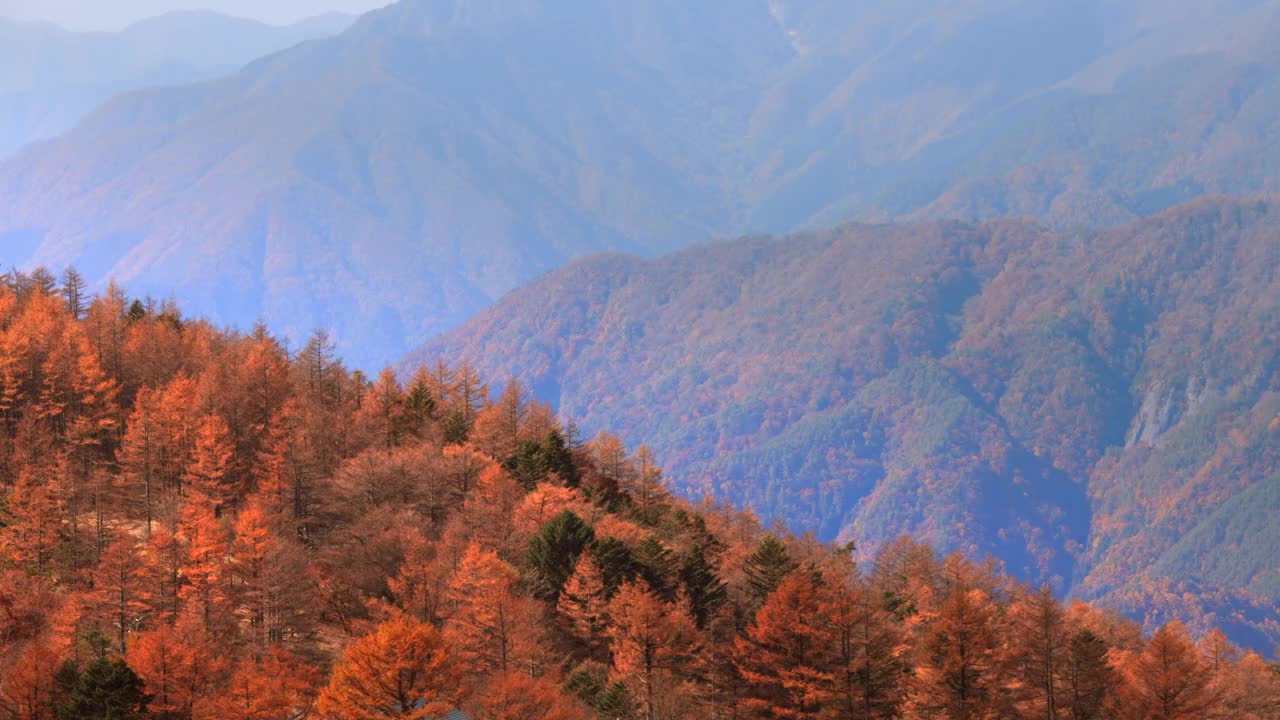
pixel 179 665
pixel 1218 651
pixel 420 587
pixel 960 668
pixel 210 471
pixel 1039 640
pixel 867 647
pixel 138 486
pixel 403 670
pixel 34 536
pixel 204 542
pixel 1169 680
pixel 26 687
pixel 1251 689
pixel 268 572
pixel 653 642
pixel 382 412
pixel 123 587
pixel 583 603
pixel 488 621
pixel 786 654
pixel 517 696
pixel 498 427
pixel 646 486
pixel 273 686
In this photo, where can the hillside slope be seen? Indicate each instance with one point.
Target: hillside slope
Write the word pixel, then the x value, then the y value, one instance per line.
pixel 442 152
pixel 51 78
pixel 199 525
pixel 1079 404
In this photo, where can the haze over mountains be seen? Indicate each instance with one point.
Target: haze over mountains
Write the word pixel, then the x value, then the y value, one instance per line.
pixel 390 182
pixel 51 78
pixel 1097 409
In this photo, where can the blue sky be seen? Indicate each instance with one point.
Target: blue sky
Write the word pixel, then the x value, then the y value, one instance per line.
pixel 115 14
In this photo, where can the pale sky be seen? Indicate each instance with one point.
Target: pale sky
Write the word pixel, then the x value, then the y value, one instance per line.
pixel 115 14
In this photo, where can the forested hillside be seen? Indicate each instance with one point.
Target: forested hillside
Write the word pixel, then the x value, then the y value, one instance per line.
pixel 1080 405
pixel 198 525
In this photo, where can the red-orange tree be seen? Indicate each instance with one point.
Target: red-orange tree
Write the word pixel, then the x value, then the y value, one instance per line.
pixel 402 670
pixel 785 656
pixel 1169 680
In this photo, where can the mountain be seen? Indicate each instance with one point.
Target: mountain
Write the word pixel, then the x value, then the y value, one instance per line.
pixel 1098 409
pixel 390 182
pixel 51 78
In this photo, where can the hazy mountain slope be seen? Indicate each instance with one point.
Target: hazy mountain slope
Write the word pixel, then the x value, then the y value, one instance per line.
pixel 390 182
pixel 891 107
pixel 51 78
pixel 1078 404
pixel 1194 126
pixel 442 160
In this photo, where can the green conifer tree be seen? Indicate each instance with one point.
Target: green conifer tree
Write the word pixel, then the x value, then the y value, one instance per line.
pixel 702 585
pixel 553 553
pixel 106 690
pixel 767 566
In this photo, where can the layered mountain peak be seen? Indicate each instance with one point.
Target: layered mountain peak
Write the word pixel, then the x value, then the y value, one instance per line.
pixel 463 147
pixel 437 18
pixel 51 78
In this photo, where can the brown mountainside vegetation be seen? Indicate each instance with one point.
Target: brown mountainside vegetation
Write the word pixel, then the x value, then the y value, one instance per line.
pixel 197 524
pixel 1100 410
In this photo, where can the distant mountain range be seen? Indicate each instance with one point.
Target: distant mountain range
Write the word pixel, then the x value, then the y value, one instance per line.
pixel 50 78
pixel 390 182
pixel 1098 409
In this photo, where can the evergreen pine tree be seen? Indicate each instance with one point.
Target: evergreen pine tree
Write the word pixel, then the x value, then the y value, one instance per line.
pixel 615 701
pixel 617 562
pixel 107 690
pixel 657 565
pixel 419 403
pixel 527 465
pixel 554 551
pixel 456 428
pixel 1089 677
pixel 702 585
pixel 767 566
pixel 558 458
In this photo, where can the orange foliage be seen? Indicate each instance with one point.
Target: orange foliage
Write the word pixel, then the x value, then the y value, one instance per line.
pixel 785 654
pixel 180 665
pixel 254 508
pixel 404 669
pixel 517 696
pixel 26 687
pixel 276 686
pixel 652 642
pixel 1169 680
pixel 490 626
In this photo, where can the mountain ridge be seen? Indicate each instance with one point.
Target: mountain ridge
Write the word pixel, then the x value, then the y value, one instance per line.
pixel 473 146
pixel 993 387
pixel 51 78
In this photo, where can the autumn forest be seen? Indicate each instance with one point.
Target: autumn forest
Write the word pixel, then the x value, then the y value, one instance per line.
pixel 201 524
